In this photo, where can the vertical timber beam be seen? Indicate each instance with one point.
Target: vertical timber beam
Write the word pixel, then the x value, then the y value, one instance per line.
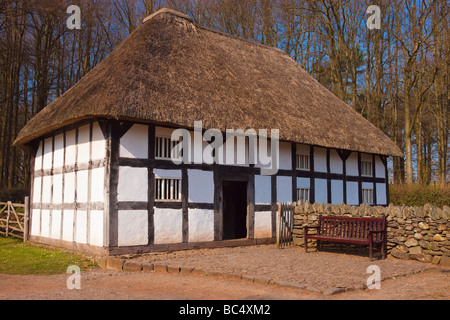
pixel 359 180
pixel 294 171
pixel 151 186
pixel 312 194
pixel 251 207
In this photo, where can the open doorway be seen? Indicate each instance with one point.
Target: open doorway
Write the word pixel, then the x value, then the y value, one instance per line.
pixel 234 210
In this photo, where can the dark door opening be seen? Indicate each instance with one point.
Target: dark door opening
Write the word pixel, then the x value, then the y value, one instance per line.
pixel 234 210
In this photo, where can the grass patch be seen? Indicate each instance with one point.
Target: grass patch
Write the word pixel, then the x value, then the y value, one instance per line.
pixel 419 195
pixel 20 258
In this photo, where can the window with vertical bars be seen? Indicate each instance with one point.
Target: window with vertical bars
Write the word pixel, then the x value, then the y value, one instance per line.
pixel 366 168
pixel 167 189
pixel 302 194
pixel 164 147
pixel 302 162
pixel 367 196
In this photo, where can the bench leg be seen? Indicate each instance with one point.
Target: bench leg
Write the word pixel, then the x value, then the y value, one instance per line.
pixel 371 249
pixel 306 243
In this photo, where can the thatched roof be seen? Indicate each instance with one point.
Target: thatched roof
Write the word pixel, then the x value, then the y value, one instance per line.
pixel 170 71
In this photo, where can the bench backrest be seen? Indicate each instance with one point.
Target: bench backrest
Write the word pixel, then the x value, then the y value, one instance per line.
pixel 349 227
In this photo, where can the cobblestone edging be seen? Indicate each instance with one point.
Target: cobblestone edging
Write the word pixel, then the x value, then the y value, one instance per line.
pixel 417 233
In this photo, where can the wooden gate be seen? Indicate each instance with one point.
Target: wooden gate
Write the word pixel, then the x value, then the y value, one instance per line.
pixel 285 224
pixel 12 219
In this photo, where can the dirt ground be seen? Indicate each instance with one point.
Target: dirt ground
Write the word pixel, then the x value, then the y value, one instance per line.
pixel 315 272
pixel 433 284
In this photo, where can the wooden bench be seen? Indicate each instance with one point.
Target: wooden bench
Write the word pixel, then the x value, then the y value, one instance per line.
pixel 360 231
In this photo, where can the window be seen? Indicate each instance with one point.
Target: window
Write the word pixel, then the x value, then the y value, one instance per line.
pixel 302 194
pixel 167 189
pixel 367 196
pixel 302 162
pixel 366 168
pixel 164 147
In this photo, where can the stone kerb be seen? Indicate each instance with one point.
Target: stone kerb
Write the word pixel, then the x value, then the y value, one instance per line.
pixel 419 233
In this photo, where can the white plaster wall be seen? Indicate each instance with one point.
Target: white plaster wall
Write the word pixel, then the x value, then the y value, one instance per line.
pixel 48 153
pixel 352 165
pixel 133 184
pixel 69 187
pixel 38 159
pixel 335 162
pixel 35 222
pixel 284 189
pixel 47 189
pixel 96 228
pixel 201 225
pixel 58 161
pixel 70 147
pixel 208 151
pixel 352 193
pixel 82 186
pixel 303 183
pixel 321 192
pixel 56 224
pixel 380 170
pixel 45 223
pixel 134 144
pixel 381 194
pixel 98 142
pixel 263 190
pixel 168 226
pixel 50 188
pixel 285 156
pixel 97 185
pixel 201 186
pixel 264 154
pixel 68 221
pixel 234 154
pixel 367 185
pixel 337 191
pixel 37 190
pixel 83 144
pixel 263 224
pixel 320 160
pixel 167 174
pixel 81 227
pixel 57 188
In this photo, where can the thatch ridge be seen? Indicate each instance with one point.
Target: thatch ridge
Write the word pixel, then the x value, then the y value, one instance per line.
pixel 173 72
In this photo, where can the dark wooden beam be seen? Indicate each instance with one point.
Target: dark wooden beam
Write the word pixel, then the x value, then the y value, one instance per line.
pixel 329 199
pixel 312 186
pixel 294 171
pixel 251 207
pixel 151 186
pixel 185 203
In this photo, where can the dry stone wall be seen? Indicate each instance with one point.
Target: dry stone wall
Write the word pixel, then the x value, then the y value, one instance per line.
pixel 419 233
